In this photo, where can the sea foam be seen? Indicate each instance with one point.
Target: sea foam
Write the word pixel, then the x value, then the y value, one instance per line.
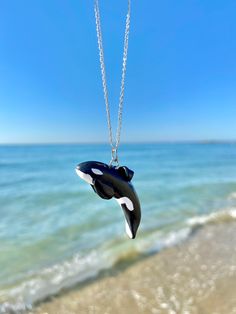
pixel 52 280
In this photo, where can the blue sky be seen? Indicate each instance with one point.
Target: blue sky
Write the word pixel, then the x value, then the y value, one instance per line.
pixel 181 74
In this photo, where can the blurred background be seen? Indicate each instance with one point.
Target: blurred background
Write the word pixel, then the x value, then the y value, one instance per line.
pixel 178 135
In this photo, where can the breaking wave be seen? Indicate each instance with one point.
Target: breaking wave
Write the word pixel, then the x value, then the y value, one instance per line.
pixel 226 215
pixel 50 281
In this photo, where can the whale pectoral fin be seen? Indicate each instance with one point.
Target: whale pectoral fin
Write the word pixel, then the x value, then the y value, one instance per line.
pixel 104 190
pixel 132 216
pixel 126 173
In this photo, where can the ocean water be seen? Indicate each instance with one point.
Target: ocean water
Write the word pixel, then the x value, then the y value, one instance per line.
pixel 56 232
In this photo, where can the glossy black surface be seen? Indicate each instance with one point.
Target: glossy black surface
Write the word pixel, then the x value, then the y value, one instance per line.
pixel 109 181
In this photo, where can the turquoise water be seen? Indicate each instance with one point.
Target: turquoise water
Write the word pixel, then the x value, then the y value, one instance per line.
pixel 55 231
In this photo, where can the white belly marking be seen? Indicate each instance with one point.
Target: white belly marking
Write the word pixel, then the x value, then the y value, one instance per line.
pixel 86 177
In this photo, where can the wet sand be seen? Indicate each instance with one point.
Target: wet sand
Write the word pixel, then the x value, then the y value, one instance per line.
pixel 198 276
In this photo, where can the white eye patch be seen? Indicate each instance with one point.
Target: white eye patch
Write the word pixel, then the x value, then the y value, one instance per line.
pixel 97 171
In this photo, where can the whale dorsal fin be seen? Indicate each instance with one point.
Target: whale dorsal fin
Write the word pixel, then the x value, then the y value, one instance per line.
pixel 104 190
pixel 126 173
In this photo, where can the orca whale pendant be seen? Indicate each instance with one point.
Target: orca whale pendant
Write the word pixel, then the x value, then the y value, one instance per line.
pixel 110 181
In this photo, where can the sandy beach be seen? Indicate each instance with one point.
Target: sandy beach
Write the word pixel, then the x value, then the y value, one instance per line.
pixel 197 276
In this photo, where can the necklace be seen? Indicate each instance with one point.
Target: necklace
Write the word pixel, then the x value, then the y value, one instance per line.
pixel 113 180
pixel 104 82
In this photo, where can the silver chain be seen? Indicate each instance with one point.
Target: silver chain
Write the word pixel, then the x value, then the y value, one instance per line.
pixel 104 81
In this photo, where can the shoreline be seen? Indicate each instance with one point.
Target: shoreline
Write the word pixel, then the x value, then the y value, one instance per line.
pixel 196 276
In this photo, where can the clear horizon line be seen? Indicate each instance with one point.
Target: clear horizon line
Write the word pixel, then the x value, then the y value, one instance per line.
pixel 213 141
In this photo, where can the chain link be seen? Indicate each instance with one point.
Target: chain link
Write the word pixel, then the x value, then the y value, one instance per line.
pixel 104 80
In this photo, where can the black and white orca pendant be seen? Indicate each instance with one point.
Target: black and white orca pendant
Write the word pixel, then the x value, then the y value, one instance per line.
pixel 110 181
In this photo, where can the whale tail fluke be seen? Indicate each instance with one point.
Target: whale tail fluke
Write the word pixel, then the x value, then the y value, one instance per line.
pixel 132 220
